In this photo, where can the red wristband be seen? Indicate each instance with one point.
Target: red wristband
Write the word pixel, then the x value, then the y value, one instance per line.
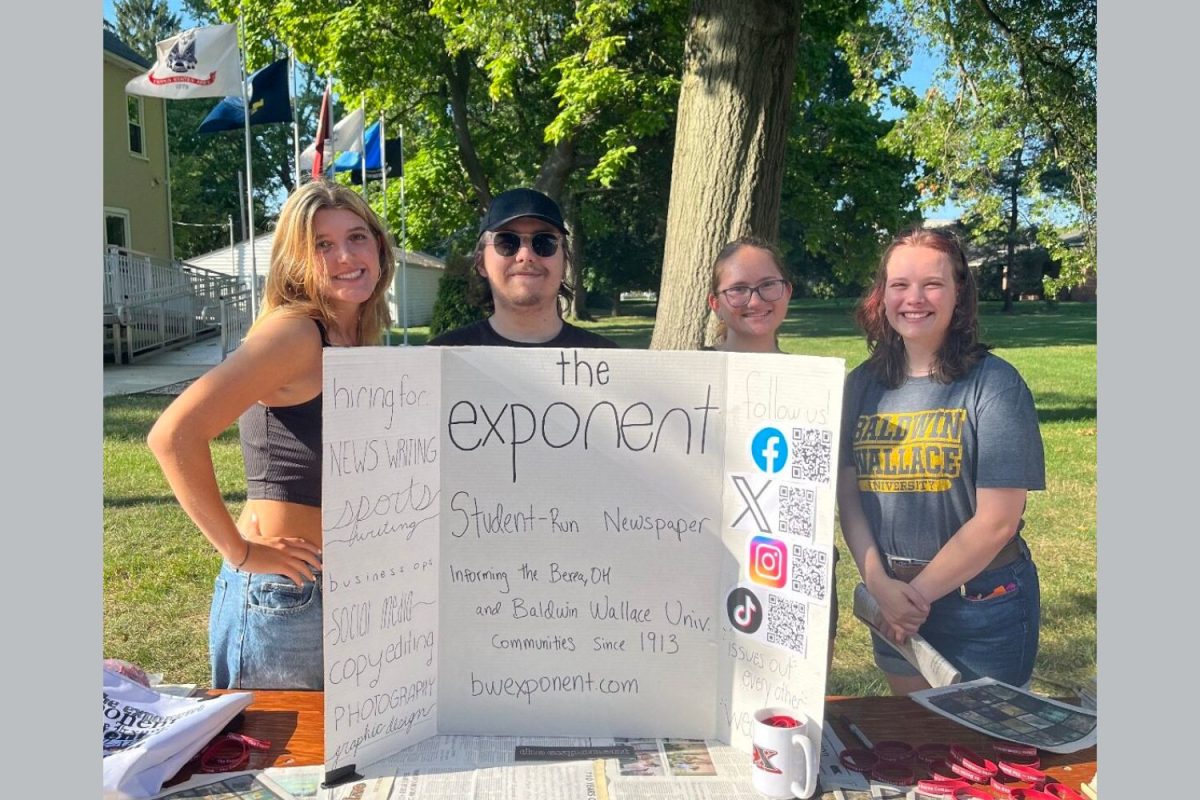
pixel 932 752
pixel 1031 794
pixel 1022 772
pixel 1061 791
pixel 940 788
pixel 972 760
pixel 969 792
pixel 1015 753
pixel 229 752
pixel 858 760
pixel 970 773
pixel 941 770
pixel 891 772
pixel 1006 789
pixel 894 751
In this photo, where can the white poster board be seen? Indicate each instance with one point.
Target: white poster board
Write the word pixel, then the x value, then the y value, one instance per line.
pixel 573 542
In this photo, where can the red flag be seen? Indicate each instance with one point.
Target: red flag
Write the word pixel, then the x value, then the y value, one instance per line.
pixel 322 140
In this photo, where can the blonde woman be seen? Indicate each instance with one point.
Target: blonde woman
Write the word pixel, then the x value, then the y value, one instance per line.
pixel 331 264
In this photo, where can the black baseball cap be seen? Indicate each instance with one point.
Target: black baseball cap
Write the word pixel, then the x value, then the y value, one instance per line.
pixel 516 203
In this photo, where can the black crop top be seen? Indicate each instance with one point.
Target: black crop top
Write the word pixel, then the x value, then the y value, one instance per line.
pixel 281 446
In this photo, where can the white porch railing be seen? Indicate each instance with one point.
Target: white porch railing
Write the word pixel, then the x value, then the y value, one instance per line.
pixel 150 304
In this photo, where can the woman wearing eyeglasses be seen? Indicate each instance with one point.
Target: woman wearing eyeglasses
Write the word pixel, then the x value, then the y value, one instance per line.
pixel 749 293
pixel 940 445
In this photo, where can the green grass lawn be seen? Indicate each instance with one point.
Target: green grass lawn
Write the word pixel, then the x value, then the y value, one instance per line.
pixel 158 569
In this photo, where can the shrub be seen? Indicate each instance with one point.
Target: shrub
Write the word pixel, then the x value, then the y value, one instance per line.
pixel 457 301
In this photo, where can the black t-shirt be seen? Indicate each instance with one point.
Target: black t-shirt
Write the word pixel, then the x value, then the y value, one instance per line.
pixel 482 333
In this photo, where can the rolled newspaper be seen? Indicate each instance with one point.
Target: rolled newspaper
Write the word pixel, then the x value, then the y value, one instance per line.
pixel 933 666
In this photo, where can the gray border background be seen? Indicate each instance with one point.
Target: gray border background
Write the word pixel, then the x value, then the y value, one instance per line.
pixel 1147 466
pixel 52 62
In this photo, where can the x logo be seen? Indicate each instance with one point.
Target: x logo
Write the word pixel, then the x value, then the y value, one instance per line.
pixel 750 499
pixel 762 759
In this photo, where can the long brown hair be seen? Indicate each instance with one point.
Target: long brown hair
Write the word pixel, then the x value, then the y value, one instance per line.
pixel 294 281
pixel 961 348
pixel 727 252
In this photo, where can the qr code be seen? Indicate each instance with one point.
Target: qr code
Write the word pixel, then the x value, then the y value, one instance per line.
pixel 810 572
pixel 787 623
pixel 797 510
pixel 812 454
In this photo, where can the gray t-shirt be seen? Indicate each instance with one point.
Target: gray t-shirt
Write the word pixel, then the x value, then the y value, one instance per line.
pixel 921 450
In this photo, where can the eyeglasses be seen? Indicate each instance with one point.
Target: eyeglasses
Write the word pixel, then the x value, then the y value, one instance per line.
pixel 507 243
pixel 769 291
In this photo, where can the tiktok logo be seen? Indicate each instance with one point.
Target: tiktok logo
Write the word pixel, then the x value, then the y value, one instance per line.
pixel 769 450
pixel 745 611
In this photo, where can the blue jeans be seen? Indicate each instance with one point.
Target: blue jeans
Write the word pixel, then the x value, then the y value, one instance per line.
pixel 264 632
pixel 992 638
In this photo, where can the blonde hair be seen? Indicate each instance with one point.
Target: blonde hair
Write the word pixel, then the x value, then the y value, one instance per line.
pixel 296 277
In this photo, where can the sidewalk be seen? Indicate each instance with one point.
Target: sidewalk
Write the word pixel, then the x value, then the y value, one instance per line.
pixel 162 369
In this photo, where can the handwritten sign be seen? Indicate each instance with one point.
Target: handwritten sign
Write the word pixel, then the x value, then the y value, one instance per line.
pixel 573 542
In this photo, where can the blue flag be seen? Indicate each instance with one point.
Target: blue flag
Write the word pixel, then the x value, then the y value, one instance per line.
pixel 269 102
pixel 351 160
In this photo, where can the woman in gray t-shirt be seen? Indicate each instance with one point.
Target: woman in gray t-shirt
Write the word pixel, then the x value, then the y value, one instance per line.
pixel 940 444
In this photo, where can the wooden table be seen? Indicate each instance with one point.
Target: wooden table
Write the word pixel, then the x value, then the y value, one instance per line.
pixel 294 724
pixel 883 718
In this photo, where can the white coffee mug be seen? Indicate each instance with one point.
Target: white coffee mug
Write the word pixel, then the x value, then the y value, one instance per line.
pixel 785 761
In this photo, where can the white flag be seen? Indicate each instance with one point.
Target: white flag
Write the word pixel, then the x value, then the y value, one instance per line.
pixel 200 62
pixel 347 135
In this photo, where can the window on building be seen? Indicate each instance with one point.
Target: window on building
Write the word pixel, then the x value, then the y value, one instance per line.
pixel 137 142
pixel 116 227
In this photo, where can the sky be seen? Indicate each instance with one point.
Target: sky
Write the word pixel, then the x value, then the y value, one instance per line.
pixel 918 76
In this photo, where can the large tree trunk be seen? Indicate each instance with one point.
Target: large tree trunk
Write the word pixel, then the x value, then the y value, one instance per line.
pixel 727 173
pixel 574 272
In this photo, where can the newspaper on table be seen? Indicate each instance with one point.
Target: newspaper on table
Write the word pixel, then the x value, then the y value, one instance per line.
pixel 483 768
pixel 932 665
pixel 277 783
pixel 1006 712
pixel 148 736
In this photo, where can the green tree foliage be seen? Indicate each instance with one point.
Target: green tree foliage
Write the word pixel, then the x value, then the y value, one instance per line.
pixel 141 24
pixel 844 193
pixel 1018 85
pixel 557 95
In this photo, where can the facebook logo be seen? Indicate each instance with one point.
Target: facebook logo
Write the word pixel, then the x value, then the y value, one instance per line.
pixel 769 450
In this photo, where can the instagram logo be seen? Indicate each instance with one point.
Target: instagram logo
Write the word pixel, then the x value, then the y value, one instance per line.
pixel 768 561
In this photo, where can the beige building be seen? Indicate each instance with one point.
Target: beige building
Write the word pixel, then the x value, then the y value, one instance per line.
pixel 137 194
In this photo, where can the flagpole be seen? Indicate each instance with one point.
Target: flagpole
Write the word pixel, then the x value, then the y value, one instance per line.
pixel 383 189
pixel 383 163
pixel 295 118
pixel 249 173
pixel 403 238
pixel 362 146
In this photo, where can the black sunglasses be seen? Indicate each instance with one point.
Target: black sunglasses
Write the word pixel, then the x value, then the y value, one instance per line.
pixel 507 243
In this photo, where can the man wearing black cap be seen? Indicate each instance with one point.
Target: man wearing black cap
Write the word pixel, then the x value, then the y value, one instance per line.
pixel 521 254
